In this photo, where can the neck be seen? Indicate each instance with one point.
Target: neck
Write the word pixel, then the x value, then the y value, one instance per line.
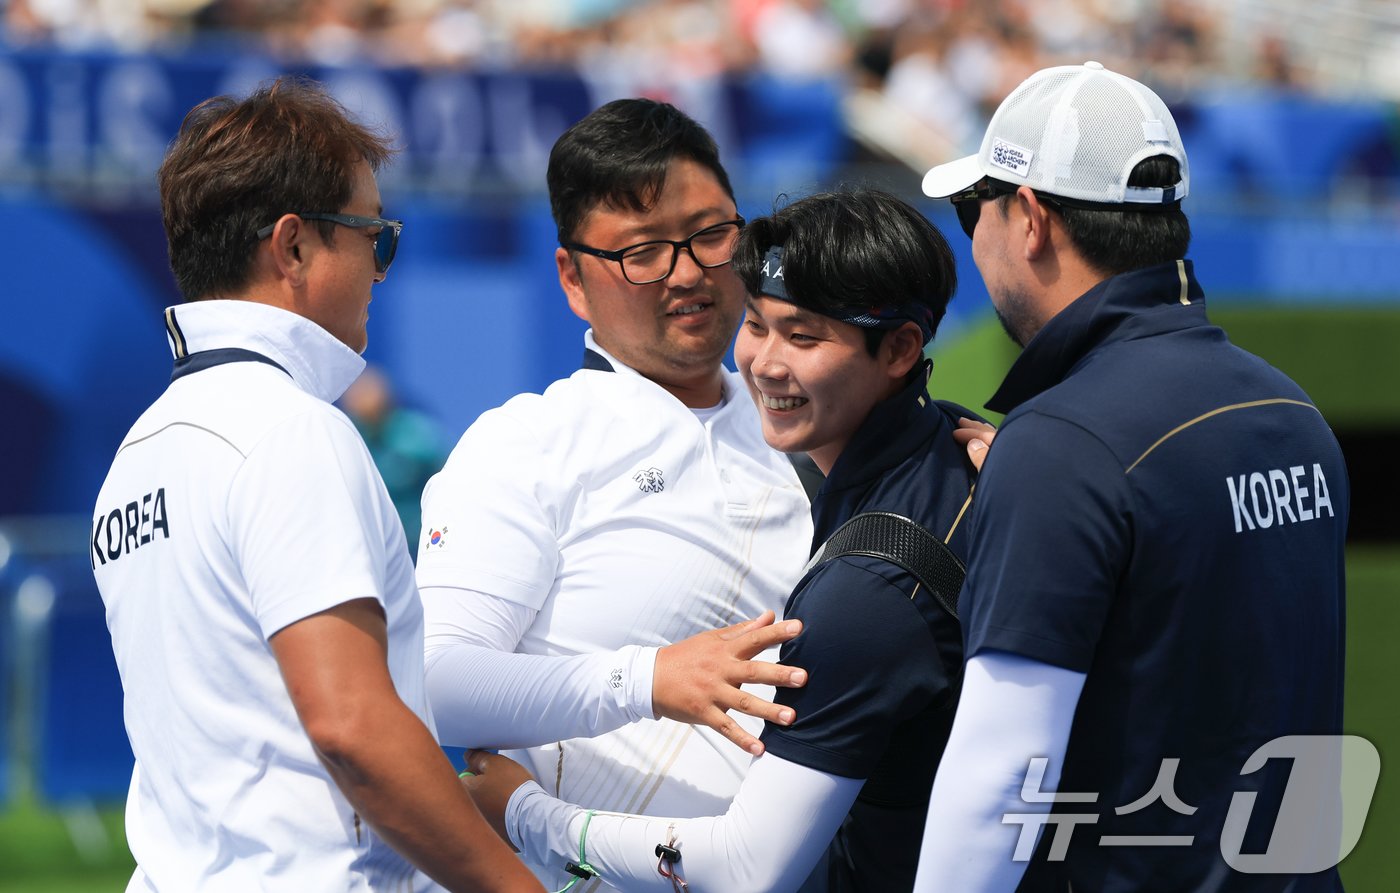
pixel 696 393
pixel 1061 283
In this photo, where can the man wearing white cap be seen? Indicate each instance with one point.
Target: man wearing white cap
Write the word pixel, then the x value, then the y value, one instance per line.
pixel 1155 588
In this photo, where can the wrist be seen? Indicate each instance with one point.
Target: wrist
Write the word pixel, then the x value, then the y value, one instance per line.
pixel 515 809
pixel 640 682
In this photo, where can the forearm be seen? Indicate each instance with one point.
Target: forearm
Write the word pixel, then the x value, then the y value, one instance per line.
pixel 485 695
pixel 773 834
pixel 406 790
pixel 1011 711
pixel 491 699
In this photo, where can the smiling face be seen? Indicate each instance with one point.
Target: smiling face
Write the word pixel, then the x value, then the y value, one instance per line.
pixel 812 378
pixel 338 295
pixel 675 331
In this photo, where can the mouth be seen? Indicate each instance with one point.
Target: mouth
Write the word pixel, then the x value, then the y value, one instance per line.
pixel 688 309
pixel 781 403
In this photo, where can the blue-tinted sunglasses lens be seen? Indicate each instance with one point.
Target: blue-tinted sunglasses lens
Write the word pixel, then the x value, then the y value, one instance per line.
pixel 385 246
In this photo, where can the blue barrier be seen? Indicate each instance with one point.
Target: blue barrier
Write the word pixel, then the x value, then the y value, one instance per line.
pixel 1287 146
pixel 83 753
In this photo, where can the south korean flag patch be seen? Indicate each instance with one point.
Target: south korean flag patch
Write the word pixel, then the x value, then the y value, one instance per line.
pixel 436 539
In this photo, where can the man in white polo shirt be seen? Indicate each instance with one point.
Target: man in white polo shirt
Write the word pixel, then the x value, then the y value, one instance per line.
pixel 258 587
pixel 573 536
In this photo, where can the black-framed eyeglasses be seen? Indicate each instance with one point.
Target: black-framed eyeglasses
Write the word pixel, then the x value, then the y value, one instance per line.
pixel 648 262
pixel 386 242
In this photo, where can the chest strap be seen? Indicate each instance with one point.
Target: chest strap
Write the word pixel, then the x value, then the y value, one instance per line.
pixel 902 542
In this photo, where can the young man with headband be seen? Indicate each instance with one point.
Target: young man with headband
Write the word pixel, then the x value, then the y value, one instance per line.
pixel 846 290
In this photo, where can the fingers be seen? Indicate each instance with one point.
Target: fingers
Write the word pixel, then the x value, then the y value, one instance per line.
pixel 737 734
pixel 761 672
pixel 754 706
pixel 697 680
pixel 478 761
pixel 754 641
pixel 976 437
pixel 966 424
pixel 739 629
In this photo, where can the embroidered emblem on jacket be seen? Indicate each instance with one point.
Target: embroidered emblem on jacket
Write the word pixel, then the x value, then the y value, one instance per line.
pixel 650 480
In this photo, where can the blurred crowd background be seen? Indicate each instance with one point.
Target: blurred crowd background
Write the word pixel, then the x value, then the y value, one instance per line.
pixel 1290 111
pixel 942 64
pixel 975 51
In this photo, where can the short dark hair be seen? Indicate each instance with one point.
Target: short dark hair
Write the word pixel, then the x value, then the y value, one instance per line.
pixel 1114 242
pixel 852 249
pixel 618 155
pixel 239 164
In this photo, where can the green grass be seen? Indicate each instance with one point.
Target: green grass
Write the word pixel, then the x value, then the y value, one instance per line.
pixel 38 855
pixel 1373 628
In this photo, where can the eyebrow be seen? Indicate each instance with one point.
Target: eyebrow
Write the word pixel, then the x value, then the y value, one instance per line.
pixel 794 314
pixel 646 232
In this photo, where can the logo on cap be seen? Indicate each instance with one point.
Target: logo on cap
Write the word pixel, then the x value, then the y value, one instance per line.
pixel 1011 157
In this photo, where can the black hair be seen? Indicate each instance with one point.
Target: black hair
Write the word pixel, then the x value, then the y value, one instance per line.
pixel 1114 242
pixel 619 154
pixel 852 249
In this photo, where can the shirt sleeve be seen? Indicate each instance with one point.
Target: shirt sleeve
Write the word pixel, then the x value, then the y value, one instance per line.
pixel 1012 711
pixel 491 517
pixel 308 519
pixel 485 696
pixel 780 822
pixel 1050 539
pixel 871 663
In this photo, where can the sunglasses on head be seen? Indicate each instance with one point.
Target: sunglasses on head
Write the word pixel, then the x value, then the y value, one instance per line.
pixel 386 242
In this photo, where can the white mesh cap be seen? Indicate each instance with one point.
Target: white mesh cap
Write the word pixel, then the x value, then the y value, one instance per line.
pixel 1076 131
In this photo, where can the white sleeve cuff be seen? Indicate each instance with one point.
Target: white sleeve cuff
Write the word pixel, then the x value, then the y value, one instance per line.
pixel 641 675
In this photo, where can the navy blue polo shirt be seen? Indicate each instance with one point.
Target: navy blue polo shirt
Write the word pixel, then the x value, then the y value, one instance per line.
pixel 883 667
pixel 1165 513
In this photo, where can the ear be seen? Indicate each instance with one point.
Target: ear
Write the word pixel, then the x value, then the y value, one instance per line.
pixel 1037 222
pixel 289 249
pixel 571 281
pixel 902 349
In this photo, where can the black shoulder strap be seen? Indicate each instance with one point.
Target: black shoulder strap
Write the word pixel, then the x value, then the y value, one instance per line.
pixel 900 541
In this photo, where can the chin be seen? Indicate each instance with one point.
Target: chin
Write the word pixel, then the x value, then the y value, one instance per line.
pixel 784 441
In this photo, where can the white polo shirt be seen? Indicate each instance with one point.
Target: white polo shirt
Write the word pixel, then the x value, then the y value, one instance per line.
pixel 622 518
pixel 241 502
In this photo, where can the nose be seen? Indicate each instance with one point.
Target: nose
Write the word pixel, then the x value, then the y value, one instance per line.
pixel 767 360
pixel 685 272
